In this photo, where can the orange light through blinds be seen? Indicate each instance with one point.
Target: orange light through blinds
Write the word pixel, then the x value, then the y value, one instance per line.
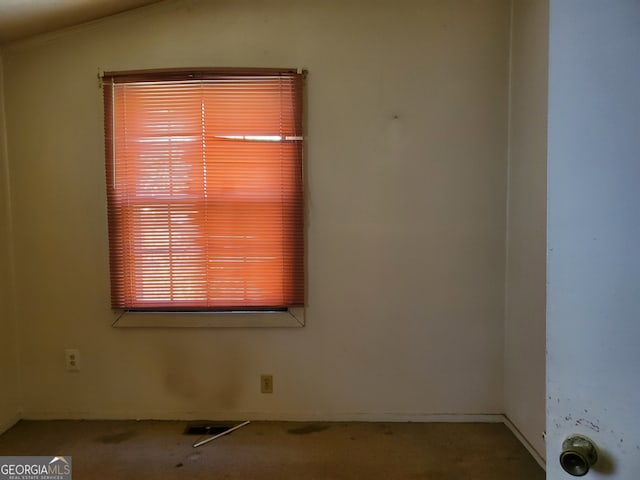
pixel 204 188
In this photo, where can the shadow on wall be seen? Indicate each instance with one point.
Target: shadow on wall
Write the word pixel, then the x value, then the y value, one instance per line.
pixel 219 388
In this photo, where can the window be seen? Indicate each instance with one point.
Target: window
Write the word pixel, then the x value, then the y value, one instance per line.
pixel 204 189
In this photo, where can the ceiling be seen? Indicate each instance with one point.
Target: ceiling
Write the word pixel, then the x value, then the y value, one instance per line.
pixel 24 18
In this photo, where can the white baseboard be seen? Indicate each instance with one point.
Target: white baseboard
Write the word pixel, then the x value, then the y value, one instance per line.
pixel 6 424
pixel 534 453
pixel 271 416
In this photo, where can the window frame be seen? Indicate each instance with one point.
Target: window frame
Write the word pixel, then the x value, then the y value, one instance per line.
pixel 292 316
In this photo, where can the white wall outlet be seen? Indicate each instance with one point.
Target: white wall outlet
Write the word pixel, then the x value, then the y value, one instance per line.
pixel 266 383
pixel 72 359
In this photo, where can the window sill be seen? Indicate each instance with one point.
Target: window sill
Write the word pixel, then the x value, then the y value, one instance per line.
pixel 293 318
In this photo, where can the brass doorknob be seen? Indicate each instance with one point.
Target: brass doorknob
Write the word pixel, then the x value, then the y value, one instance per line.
pixel 578 455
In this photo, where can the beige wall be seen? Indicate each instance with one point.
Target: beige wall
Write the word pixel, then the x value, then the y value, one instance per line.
pixel 9 396
pixel 406 161
pixel 524 378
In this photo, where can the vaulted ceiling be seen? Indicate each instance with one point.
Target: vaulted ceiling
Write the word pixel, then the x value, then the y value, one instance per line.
pixel 24 18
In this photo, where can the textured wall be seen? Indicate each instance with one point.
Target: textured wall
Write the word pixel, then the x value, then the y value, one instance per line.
pixel 524 377
pixel 9 377
pixel 406 159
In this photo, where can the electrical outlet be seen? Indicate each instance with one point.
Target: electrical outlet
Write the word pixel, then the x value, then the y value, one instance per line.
pixel 266 383
pixel 72 360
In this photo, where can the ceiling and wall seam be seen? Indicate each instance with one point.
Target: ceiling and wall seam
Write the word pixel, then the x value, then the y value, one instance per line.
pixel 29 34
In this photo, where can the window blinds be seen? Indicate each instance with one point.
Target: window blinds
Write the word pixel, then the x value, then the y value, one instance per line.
pixel 204 189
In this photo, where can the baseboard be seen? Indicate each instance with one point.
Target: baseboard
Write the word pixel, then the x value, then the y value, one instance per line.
pixel 534 453
pixel 271 416
pixel 8 423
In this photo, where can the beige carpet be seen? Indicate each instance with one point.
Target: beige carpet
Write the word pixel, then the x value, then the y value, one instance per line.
pixel 279 450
